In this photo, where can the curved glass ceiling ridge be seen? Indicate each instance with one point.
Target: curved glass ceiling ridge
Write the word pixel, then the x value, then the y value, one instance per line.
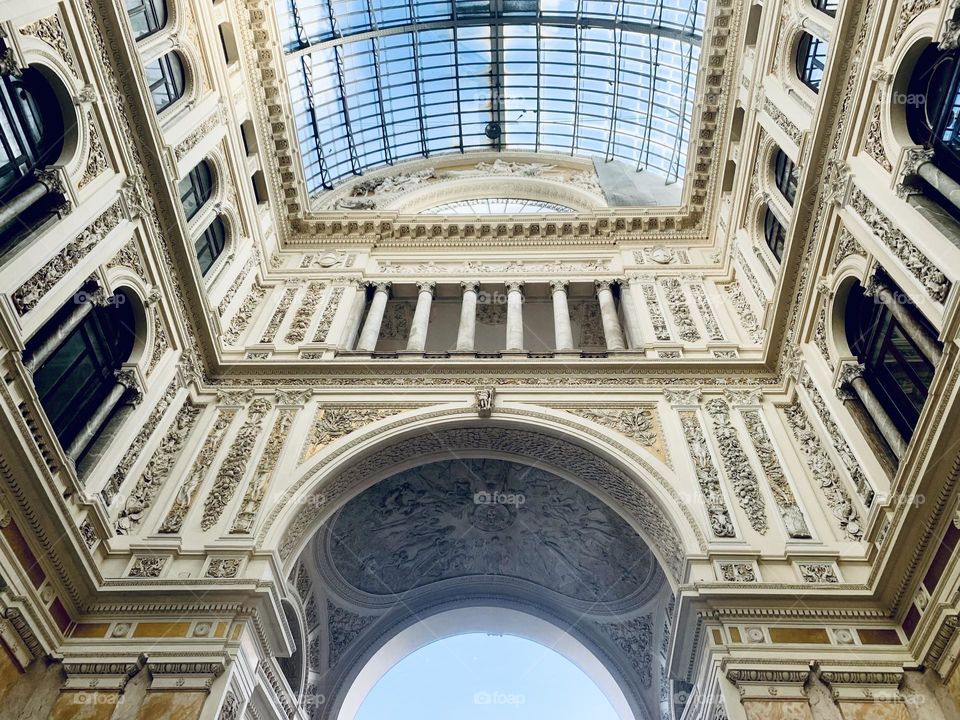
pixel 498 206
pixel 373 84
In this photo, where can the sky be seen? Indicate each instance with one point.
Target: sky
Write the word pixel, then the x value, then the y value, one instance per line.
pixel 485 677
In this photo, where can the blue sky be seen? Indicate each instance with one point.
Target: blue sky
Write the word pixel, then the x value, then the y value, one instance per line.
pixel 485 677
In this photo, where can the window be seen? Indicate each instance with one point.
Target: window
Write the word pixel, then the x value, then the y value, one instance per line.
pixel 195 189
pixel 811 60
pixel 166 80
pixel 210 244
pixel 259 182
pixel 228 43
pixel 775 234
pixel 31 131
pixel 895 369
pixel 79 375
pixel 785 174
pixel 934 119
pixel 829 7
pixel 146 16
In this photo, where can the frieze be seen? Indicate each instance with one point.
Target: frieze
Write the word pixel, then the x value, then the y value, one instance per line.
pixel 827 480
pixel 223 568
pixel 707 475
pixel 740 474
pixel 819 573
pixel 160 467
pixel 238 281
pixel 147 566
pixel 28 295
pixel 782 121
pixel 217 119
pixel 680 310
pixel 737 572
pixel 234 465
pixel 50 31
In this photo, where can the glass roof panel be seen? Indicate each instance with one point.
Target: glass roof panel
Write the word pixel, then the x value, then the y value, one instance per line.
pixel 375 83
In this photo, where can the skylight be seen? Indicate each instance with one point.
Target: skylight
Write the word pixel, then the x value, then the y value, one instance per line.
pixel 376 83
pixel 498 206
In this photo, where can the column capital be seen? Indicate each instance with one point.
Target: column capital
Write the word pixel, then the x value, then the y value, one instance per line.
pixel 557 285
pixel 380 286
pixel 875 284
pixel 470 285
pixel 427 286
pixel 514 285
pixel 910 163
pixel 128 378
pixel 604 284
pixel 849 371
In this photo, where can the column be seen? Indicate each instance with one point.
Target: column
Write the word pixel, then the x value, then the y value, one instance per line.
pixel 354 318
pixel 852 376
pixel 515 316
pixel 126 380
pixel 877 288
pixel 561 317
pixel 466 335
pixel 608 313
pixel 421 317
pixel 631 313
pixel 371 328
pixel 86 302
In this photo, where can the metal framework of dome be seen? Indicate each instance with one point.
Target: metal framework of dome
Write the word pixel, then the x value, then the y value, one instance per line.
pixel 373 84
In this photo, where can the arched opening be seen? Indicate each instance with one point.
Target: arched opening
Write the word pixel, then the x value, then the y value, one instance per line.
pixel 210 244
pixel 146 16
pixel 473 674
pixel 293 667
pixel 785 175
pixel 811 60
pixel 165 79
pixel 196 188
pixel 33 136
pixel 774 234
pixel 76 360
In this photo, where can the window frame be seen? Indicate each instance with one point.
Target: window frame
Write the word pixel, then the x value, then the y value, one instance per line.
pixel 154 20
pixel 809 59
pixel 199 189
pixel 172 80
pixel 207 244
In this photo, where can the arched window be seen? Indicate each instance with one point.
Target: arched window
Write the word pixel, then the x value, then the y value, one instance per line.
pixel 166 80
pixel 811 60
pixel 894 366
pixel 292 667
pixel 785 174
pixel 933 118
pixel 31 131
pixel 196 188
pixel 210 244
pixel 828 7
pixel 774 233
pixel 79 375
pixel 146 16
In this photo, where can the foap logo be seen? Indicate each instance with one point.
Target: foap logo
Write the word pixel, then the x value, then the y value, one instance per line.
pixel 498 698
pixel 486 297
pixel 492 497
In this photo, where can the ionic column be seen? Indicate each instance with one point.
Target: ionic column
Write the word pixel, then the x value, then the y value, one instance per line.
pixel 355 317
pixel 421 317
pixel 631 314
pixel 515 316
pixel 466 335
pixel 852 376
pixel 561 316
pixel 877 288
pixel 85 305
pixel 371 328
pixel 126 380
pixel 608 313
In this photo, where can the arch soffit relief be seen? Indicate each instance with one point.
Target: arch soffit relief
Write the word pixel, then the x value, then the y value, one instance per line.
pixel 629 478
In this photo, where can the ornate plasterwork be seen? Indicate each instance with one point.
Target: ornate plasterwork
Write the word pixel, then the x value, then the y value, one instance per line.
pixel 847 245
pixel 223 568
pixel 707 475
pixel 739 472
pixel 308 306
pixel 326 317
pixel 641 424
pixel 28 295
pixel 680 310
pixel 738 572
pixel 161 464
pixel 234 465
pixel 782 121
pixel 635 638
pixel 112 486
pixel 244 315
pixel 820 573
pixel 147 566
pixel 747 317
pixel 660 328
pixel 238 281
pixel 96 155
pixel 279 314
pixel 343 626
pixel 187 491
pixel 793 519
pixel 50 31
pixel 216 119
pixel 823 472
pixel 661 255
pixel 873 142
pixel 908 11
pixel 714 332
pixel 493 520
pixel 860 482
pixel 471 268
pixel 914 260
pixel 257 489
pixel 820 338
pixel 331 423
